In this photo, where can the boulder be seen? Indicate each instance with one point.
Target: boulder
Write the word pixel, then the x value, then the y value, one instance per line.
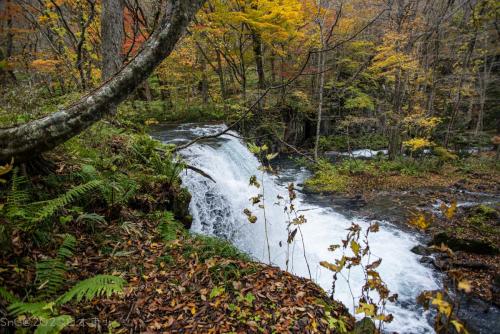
pixel 364 326
pixel 421 250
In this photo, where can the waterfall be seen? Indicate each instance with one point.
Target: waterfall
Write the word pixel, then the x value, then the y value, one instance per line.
pixel 217 209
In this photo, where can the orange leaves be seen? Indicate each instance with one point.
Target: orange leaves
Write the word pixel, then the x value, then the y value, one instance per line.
pixel 449 211
pixel 45 65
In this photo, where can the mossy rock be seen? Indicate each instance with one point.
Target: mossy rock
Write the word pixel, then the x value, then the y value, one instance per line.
pixel 486 211
pixel 178 202
pixel 364 326
pixel 465 245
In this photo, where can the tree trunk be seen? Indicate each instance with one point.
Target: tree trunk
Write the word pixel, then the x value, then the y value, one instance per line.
pixel 394 142
pixel 112 37
pixel 220 73
pixel 9 44
pixel 259 63
pixel 25 141
pixel 321 87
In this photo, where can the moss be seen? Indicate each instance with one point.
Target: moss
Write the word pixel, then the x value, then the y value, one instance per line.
pixel 487 212
pixel 327 179
pixel 208 247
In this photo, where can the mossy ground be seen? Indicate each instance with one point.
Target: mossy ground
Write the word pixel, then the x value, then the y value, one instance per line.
pixel 479 173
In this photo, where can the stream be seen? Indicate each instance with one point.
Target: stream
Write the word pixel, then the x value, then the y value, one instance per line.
pixel 217 210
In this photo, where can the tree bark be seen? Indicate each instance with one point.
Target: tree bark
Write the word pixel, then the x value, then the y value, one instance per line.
pixel 25 141
pixel 259 62
pixel 112 37
pixel 320 99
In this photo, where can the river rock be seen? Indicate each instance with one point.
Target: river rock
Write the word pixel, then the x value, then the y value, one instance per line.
pixel 364 326
pixel 466 245
pixel 421 250
pixel 426 260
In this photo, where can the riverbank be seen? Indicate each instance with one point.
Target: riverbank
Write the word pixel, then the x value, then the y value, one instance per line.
pixel 455 208
pixel 130 224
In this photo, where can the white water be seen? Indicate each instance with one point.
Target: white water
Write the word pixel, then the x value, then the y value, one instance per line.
pixel 217 209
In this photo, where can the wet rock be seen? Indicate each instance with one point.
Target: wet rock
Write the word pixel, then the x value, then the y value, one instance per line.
pixel 466 245
pixel 180 207
pixel 441 263
pixel 426 260
pixel 364 326
pixel 421 250
pixel 496 284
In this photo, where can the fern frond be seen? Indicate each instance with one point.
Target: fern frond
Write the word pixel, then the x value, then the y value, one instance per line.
pixel 50 276
pixel 91 217
pixel 50 273
pixel 48 208
pixel 97 286
pixel 54 325
pixel 41 310
pixel 67 248
pixel 7 295
pixel 17 197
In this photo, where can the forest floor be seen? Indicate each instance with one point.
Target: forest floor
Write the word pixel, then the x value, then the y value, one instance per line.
pixel 176 282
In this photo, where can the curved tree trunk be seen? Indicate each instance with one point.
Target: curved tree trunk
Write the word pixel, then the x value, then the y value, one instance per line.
pixel 25 141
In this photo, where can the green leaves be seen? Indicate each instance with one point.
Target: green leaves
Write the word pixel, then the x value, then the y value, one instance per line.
pixel 216 291
pixel 54 325
pixel 97 286
pixel 47 208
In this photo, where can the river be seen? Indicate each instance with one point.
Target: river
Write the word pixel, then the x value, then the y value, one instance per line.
pixel 217 209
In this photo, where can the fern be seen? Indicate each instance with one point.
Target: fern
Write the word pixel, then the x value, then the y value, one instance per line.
pixel 90 217
pixel 50 273
pixel 50 276
pixel 48 208
pixel 7 295
pixel 67 248
pixel 44 312
pixel 54 325
pixel 40 310
pixel 17 197
pixel 97 286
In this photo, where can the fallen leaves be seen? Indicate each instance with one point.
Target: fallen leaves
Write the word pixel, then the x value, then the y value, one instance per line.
pixel 215 295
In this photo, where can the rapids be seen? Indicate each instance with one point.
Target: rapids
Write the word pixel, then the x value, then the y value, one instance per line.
pixel 217 209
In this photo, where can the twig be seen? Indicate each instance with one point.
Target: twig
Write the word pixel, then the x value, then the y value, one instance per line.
pixel 199 171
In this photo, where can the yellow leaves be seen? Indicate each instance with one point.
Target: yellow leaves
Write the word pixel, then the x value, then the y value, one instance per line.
pixel 367 309
pixel 416 144
pixel 419 221
pixel 449 211
pixel 330 266
pixel 251 218
pixel 274 21
pixel 151 121
pixel 459 327
pixel 465 285
pixel 5 169
pixel 334 267
pixel 442 305
pixel 355 247
pixel 429 123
